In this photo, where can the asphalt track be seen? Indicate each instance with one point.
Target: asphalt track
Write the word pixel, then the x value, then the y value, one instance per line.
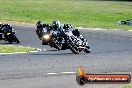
pixel 111 53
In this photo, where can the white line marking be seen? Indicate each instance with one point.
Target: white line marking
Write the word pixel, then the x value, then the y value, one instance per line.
pixel 44 49
pixel 19 52
pixel 33 51
pixel 61 73
pixel 24 52
pixel 99 29
pixel 91 28
pixel 51 73
pixel 41 49
pixel 5 53
pixel 68 72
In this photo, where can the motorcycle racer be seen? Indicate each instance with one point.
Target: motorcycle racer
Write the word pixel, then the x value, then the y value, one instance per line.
pixel 57 26
pixel 8 33
pixel 7 28
pixel 40 25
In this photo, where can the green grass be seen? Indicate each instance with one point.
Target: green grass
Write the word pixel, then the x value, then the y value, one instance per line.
pixel 85 13
pixel 14 48
pixel 126 86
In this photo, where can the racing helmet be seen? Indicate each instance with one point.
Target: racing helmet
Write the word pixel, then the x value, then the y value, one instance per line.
pixel 7 28
pixel 39 24
pixel 76 32
pixel 67 26
pixel 56 24
pixel 7 25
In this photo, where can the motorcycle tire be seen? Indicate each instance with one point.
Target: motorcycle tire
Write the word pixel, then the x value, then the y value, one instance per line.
pixel 87 49
pixel 16 39
pixel 56 45
pixel 9 39
pixel 72 48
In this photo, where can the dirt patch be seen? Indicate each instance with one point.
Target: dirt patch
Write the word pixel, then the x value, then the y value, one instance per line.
pixel 15 22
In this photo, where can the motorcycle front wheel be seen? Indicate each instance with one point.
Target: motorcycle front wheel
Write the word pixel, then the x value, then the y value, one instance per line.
pixel 72 48
pixel 16 39
pixel 87 49
pixel 57 44
pixel 9 39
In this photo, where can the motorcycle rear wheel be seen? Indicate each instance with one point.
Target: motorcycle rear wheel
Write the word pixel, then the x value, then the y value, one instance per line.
pixel 13 38
pixel 9 39
pixel 56 43
pixel 87 49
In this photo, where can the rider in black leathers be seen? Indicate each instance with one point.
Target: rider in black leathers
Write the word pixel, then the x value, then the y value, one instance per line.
pixel 4 28
pixel 40 25
pixel 8 28
pixel 58 26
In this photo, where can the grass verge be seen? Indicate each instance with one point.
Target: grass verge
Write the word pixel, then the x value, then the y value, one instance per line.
pixel 14 48
pixel 126 86
pixel 84 13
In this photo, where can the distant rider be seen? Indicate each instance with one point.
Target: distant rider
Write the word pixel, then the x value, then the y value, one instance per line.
pixel 1 31
pixel 1 26
pixel 4 29
pixel 40 25
pixel 7 28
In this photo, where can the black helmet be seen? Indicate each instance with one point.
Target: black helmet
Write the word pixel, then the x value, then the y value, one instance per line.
pixel 7 25
pixel 67 26
pixel 39 24
pixel 76 32
pixel 56 24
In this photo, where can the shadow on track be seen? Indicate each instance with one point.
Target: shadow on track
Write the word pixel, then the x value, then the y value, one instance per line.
pixel 51 50
pixel 56 53
pixel 53 54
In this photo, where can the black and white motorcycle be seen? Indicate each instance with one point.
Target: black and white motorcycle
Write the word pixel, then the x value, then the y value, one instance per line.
pixel 75 43
pixel 51 38
pixel 9 35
